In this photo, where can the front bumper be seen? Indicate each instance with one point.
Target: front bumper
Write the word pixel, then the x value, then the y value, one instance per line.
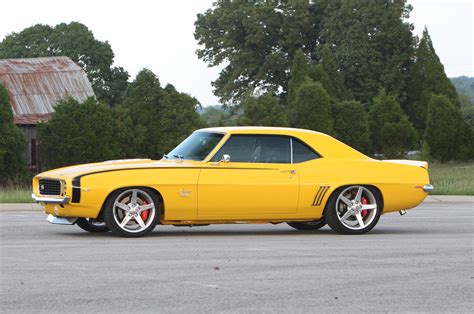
pixel 50 200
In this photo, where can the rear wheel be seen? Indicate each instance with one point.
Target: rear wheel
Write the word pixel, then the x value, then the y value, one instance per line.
pixel 354 209
pixel 92 225
pixel 132 212
pixel 307 225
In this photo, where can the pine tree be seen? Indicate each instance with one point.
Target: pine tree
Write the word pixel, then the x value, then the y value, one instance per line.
pixel 298 74
pixel 335 85
pixel 12 143
pixel 447 134
pixel 426 77
pixel 166 114
pixel 312 108
pixel 264 110
pixel 351 124
pixel 391 132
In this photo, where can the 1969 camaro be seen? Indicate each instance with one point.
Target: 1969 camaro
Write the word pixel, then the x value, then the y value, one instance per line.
pixel 235 175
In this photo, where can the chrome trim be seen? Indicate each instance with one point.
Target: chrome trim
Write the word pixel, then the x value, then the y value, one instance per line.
pixel 61 220
pixel 50 200
pixel 428 188
pixel 291 150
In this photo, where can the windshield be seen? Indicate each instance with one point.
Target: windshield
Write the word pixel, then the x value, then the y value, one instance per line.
pixel 196 147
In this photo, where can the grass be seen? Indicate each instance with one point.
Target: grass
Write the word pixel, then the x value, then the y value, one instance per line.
pixel 15 195
pixel 452 178
pixel 448 179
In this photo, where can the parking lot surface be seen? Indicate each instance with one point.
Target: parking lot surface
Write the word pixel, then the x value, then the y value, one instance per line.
pixel 422 261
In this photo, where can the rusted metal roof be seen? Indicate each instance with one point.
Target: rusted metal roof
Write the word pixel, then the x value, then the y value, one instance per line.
pixel 25 119
pixel 36 84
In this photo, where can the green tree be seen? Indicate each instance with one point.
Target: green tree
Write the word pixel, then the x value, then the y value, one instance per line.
pixel 426 77
pixel 467 109
pixel 312 108
pixel 80 133
pixel 372 44
pixel 77 42
pixel 257 40
pixel 331 75
pixel 263 111
pixel 351 124
pixel 12 143
pixel 392 133
pixel 167 115
pixel 447 134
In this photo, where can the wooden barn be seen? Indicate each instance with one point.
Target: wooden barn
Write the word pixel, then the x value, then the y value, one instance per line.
pixel 35 85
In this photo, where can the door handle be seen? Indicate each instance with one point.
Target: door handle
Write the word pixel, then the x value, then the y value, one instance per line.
pixel 288 171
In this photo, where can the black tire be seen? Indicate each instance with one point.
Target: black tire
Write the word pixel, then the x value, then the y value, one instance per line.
pixel 307 225
pixel 122 205
pixel 343 214
pixel 92 225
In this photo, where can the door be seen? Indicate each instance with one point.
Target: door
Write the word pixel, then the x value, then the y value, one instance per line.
pixel 259 181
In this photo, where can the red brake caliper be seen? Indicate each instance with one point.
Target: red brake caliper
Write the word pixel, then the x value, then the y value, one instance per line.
pixel 144 214
pixel 364 212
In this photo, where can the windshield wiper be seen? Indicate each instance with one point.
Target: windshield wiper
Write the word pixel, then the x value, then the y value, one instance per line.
pixel 166 156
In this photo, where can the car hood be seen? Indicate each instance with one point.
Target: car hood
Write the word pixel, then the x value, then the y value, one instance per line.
pixel 111 165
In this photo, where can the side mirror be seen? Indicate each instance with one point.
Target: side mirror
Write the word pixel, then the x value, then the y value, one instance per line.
pixel 225 158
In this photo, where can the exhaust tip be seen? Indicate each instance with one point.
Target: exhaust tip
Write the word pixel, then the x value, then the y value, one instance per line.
pixel 402 212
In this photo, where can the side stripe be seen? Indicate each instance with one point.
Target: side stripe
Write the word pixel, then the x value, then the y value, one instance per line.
pixel 318 198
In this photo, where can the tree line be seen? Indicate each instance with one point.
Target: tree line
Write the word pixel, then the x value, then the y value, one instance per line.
pixel 352 69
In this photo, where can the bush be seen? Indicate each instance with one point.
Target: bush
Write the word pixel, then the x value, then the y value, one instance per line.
pixel 351 124
pixel 448 135
pixel 264 110
pixel 312 109
pixel 12 144
pixel 391 132
pixel 81 133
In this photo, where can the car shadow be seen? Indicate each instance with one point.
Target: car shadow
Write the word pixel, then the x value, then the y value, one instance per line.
pixel 193 232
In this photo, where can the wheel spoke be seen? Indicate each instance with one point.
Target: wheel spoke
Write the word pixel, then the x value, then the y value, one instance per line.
pixel 359 194
pixel 139 219
pixel 134 196
pixel 360 220
pixel 345 200
pixel 146 207
pixel 346 215
pixel 122 206
pixel 125 220
pixel 369 206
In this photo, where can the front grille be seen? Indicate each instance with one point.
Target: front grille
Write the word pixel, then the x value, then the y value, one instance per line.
pixel 49 187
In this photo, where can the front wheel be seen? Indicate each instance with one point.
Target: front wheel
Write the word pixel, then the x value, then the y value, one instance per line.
pixel 92 225
pixel 307 225
pixel 354 209
pixel 132 212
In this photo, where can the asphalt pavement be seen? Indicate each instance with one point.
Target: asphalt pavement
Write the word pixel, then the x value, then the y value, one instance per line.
pixel 420 262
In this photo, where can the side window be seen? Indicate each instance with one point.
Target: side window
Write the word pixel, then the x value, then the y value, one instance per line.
pixel 256 148
pixel 301 152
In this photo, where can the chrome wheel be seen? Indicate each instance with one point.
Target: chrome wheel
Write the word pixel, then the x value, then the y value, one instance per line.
pixel 134 211
pixel 353 209
pixel 356 207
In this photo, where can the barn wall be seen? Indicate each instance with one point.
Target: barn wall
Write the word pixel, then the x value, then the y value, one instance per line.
pixel 31 152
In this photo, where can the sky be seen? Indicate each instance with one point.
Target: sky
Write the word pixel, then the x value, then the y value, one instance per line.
pixel 158 35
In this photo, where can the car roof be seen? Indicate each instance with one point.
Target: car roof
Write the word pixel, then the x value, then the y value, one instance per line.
pixel 324 144
pixel 259 130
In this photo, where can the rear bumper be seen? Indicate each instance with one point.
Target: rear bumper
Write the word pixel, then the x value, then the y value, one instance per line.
pixel 50 200
pixel 428 188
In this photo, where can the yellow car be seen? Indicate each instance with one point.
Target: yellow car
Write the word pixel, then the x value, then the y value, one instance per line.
pixel 235 175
